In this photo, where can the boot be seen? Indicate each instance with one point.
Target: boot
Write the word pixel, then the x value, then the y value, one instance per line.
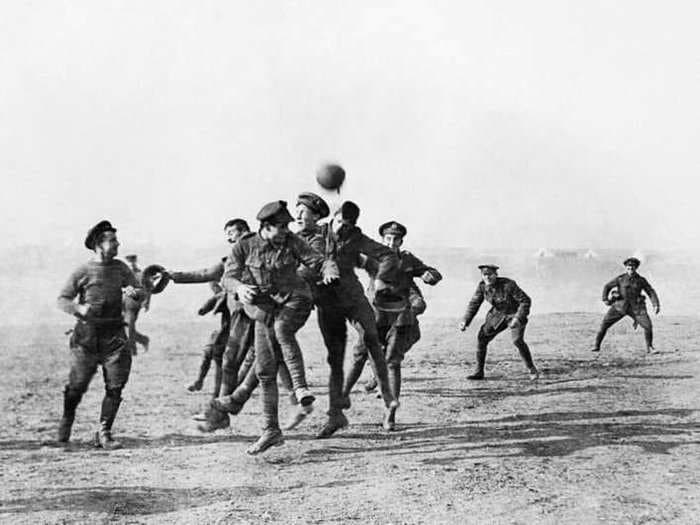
pixel 103 437
pixel 268 439
pixel 216 419
pixel 299 415
pixel 226 404
pixel 336 421
pixel 480 361
pixel 389 421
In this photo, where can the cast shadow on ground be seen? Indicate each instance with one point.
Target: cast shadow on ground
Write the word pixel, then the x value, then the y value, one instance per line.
pixel 552 434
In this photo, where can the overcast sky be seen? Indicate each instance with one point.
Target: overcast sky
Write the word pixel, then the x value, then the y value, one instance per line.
pixel 487 124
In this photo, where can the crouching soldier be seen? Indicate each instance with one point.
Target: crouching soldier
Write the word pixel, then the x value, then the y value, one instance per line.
pixel 510 307
pixel 627 299
pixel 99 337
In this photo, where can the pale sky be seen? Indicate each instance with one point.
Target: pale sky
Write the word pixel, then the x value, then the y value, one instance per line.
pixel 487 124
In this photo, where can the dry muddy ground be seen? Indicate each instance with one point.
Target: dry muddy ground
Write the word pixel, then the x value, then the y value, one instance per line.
pixel 614 438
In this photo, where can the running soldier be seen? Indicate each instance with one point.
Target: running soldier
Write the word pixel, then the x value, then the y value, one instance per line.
pixel 262 272
pixel 133 308
pixel 99 337
pixel 397 326
pixel 624 296
pixel 345 300
pixel 510 307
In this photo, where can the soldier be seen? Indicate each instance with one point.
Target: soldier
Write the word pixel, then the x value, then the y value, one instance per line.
pixel 346 301
pixel 262 272
pixel 396 325
pixel 627 299
pixel 215 347
pixel 98 337
pixel 510 308
pixel 132 308
pixel 310 209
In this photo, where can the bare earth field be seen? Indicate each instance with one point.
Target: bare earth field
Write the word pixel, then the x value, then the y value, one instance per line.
pixel 596 440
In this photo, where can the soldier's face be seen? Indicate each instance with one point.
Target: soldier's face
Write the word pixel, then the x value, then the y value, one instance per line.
pixel 276 233
pixel 631 269
pixel 339 224
pixel 305 218
pixel 392 241
pixel 233 234
pixel 489 276
pixel 108 245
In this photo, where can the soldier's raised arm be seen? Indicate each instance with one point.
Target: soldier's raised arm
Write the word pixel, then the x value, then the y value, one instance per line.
pixel 205 275
pixel 419 269
pixel 387 261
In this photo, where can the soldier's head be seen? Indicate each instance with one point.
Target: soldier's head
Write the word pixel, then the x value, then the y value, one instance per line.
pixel 309 210
pixel 235 229
pixel 345 218
pixel 489 273
pixel 392 234
pixel 274 220
pixel 102 239
pixel 631 265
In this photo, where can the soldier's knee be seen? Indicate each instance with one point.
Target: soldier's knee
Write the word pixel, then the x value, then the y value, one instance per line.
pixel 74 390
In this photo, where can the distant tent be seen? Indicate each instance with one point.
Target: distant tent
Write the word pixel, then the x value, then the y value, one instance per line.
pixel 590 254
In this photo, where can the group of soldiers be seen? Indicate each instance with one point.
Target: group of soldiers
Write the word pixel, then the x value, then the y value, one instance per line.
pixel 265 289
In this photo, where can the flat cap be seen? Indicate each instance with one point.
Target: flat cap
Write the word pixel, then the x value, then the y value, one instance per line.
pixel 392 228
pixel 488 266
pixel 94 233
pixel 314 203
pixel 275 213
pixel 632 261
pixel 349 211
pixel 155 278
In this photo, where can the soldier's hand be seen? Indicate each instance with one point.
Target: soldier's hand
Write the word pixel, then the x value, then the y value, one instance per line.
pixel 132 293
pixel 246 293
pixel 463 326
pixel 515 323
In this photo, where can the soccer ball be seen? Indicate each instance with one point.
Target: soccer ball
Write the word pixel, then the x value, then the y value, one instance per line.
pixel 330 176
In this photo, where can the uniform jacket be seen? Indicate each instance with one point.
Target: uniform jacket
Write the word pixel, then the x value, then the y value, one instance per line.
pixel 255 261
pixel 507 301
pixel 630 288
pixel 345 252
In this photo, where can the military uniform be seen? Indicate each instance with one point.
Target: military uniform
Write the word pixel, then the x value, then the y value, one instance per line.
pixel 398 330
pixel 281 307
pixel 98 338
pixel 508 303
pixel 629 302
pixel 345 300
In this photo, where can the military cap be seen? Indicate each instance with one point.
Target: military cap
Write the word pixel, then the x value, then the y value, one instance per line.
pixel 94 233
pixel 392 228
pixel 275 213
pixel 633 261
pixel 314 203
pixel 131 257
pixel 349 211
pixel 488 266
pixel 155 278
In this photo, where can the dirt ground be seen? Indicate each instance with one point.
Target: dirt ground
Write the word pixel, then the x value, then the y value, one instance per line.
pixel 608 439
